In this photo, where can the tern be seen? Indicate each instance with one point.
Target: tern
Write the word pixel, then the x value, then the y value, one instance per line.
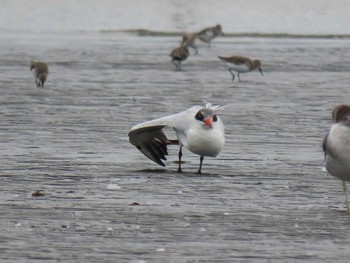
pixel 336 146
pixel 41 71
pixel 198 129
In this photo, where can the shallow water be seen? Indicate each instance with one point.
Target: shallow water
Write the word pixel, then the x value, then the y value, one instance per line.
pixel 266 198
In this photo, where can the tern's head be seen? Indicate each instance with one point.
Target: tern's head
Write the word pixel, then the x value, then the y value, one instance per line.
pixel 341 113
pixel 207 116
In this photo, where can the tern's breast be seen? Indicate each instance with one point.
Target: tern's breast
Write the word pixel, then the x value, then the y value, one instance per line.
pixel 205 141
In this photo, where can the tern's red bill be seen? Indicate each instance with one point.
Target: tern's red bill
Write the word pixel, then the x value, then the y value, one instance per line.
pixel 208 122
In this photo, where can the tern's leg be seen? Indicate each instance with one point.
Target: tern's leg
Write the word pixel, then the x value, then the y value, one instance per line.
pixel 239 77
pixel 346 196
pixel 200 165
pixel 179 170
pixel 233 75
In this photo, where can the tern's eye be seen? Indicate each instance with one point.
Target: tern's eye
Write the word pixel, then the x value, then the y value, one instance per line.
pixel 215 118
pixel 199 116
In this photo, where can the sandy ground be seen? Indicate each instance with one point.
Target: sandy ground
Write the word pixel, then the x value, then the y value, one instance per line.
pixel 266 198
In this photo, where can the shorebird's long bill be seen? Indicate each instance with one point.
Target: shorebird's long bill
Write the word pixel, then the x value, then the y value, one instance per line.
pixel 261 71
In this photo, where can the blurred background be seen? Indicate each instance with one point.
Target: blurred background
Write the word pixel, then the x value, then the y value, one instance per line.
pixel 311 17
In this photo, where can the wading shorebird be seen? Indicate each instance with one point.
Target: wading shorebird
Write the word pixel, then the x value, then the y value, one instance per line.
pixel 198 129
pixel 178 55
pixel 336 147
pixel 241 65
pixel 41 71
pixel 190 40
pixel 209 33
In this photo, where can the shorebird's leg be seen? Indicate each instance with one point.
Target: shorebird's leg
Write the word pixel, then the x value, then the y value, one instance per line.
pixel 261 72
pixel 239 77
pixel 200 165
pixel 173 61
pixel 179 170
pixel 233 75
pixel 346 196
pixel 196 52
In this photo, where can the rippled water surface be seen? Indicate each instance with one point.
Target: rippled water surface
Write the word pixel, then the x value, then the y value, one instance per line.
pixel 266 198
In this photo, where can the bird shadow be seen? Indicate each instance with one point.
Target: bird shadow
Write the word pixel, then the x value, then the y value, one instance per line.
pixel 185 173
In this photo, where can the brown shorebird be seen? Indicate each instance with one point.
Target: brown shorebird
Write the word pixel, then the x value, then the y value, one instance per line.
pixel 41 71
pixel 241 65
pixel 209 33
pixel 190 40
pixel 336 146
pixel 178 55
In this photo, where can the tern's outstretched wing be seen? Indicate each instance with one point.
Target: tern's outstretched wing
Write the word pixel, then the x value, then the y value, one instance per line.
pixel 150 139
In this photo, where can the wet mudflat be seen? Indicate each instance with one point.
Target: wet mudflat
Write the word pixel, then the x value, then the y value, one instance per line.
pixel 266 198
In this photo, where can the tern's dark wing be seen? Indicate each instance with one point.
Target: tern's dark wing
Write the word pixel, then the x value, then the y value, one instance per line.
pixel 150 139
pixel 152 142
